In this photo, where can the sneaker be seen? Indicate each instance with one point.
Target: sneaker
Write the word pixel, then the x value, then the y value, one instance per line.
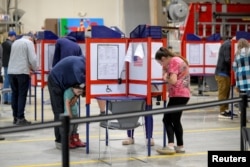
pixel 236 105
pixel 128 141
pixel 14 121
pixel 58 145
pixel 152 143
pixel 22 122
pixel 179 149
pixel 102 114
pixel 2 138
pixel 227 114
pixel 7 103
pixel 234 115
pixel 166 151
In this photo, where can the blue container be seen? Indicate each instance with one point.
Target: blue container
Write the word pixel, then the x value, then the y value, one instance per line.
pixel 214 37
pixel 143 31
pixel 242 34
pixel 118 30
pixel 46 35
pixel 101 31
pixel 78 35
pixel 192 37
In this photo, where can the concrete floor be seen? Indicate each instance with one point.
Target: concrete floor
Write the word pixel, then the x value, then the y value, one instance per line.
pixel 203 131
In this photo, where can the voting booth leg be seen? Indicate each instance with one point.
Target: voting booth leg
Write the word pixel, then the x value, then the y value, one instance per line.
pixel 42 96
pixel 87 128
pixel 35 103
pixel 149 127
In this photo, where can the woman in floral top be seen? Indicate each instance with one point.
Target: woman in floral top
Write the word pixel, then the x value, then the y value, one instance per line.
pixel 176 74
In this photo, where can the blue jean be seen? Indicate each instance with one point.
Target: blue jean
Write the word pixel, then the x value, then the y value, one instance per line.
pixel 6 84
pixel 19 85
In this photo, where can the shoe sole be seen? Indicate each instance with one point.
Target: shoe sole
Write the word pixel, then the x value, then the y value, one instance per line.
pixel 178 151
pixel 127 143
pixel 165 152
pixel 222 117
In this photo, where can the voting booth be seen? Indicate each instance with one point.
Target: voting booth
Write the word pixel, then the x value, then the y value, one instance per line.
pixel 45 48
pixel 123 67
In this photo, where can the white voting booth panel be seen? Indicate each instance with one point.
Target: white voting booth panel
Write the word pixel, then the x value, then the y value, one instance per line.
pixel 202 57
pixel 139 63
pixel 49 50
pixel 38 55
pixel 107 66
pixel 196 70
pixel 97 89
pixel 131 61
pixel 107 61
pixel 138 89
pixel 156 68
pixel 194 53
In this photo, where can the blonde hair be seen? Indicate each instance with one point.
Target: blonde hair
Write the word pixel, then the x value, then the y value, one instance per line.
pixel 242 43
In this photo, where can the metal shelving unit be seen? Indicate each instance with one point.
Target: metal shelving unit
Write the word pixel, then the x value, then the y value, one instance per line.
pixel 14 24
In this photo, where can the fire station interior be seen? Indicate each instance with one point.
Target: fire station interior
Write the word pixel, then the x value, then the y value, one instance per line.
pixel 203 130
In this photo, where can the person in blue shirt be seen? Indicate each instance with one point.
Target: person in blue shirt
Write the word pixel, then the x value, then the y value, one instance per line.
pixel 66 73
pixel 71 96
pixel 66 46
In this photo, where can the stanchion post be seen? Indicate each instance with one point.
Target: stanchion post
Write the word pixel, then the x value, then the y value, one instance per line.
pixel 65 139
pixel 243 108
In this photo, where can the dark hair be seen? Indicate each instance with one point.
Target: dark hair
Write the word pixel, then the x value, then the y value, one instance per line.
pixel 77 86
pixel 81 86
pixel 164 52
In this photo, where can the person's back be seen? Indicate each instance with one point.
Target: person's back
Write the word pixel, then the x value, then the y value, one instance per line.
pixel 22 61
pixel 65 47
pixel 7 47
pixel 223 66
pixel 73 67
pixel 223 78
pixel 22 57
pixel 241 65
pixel 65 74
pixel 5 62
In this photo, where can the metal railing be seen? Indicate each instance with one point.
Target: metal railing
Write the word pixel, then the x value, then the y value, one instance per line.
pixel 225 29
pixel 65 121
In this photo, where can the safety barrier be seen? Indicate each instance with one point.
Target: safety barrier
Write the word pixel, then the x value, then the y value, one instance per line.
pixel 65 121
